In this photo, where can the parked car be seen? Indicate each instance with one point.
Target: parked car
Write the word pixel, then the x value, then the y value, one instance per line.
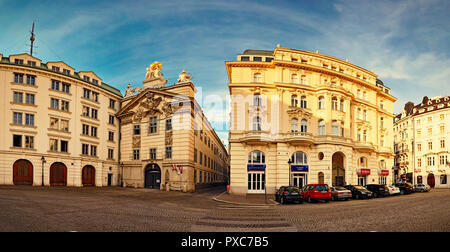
pixel 421 188
pixel 359 192
pixel 288 194
pixel 316 192
pixel 405 188
pixel 378 190
pixel 393 190
pixel 340 193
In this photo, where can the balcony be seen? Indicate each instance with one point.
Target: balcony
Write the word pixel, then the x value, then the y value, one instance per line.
pixel 364 147
pixel 254 136
pixel 299 138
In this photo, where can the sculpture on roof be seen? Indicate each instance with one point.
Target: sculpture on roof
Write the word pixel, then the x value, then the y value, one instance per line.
pixel 183 77
pixel 154 71
pixel 130 91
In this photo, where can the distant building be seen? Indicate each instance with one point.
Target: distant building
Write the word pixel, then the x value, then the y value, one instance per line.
pixel 421 142
pixel 300 117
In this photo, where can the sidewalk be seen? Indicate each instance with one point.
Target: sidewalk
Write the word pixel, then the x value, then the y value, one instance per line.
pixel 249 199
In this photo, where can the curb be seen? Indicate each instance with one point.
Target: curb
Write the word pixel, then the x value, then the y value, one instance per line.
pixel 215 198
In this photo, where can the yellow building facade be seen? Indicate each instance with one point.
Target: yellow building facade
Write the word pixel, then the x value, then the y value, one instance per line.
pixel 300 117
pixel 167 143
pixel 421 137
pixel 58 125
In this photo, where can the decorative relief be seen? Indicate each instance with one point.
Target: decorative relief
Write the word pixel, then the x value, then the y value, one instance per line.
pixel 299 113
pixel 147 107
pixel 169 138
pixel 136 142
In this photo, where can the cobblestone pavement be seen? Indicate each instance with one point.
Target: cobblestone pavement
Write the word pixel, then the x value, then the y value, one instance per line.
pixel 123 209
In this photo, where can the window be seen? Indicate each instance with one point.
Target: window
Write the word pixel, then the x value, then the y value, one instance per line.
pixel 18 97
pixel 29 119
pixel 303 80
pixel 304 126
pixel 110 154
pixel 195 155
pixel 85 111
pixel 112 103
pixel 55 85
pixel 93 131
pixel 365 136
pixel 17 118
pixel 382 122
pixel 442 129
pixel 65 87
pixel 64 105
pixel 29 142
pixel 31 63
pixel 55 69
pixel 153 125
pixel 111 120
pixel 294 79
pixel 93 150
pixel 294 125
pixel 443 179
pixel 54 103
pixel 18 61
pixel 443 159
pixel 111 136
pixel 269 59
pixel 64 146
pixel 85 149
pixel 169 124
pixel 85 130
pixel 94 113
pixel 136 155
pixel 256 157
pixel 257 100
pixel 294 101
pixel 257 77
pixel 303 102
pixel 95 96
pixel 54 123
pixel 257 58
pixel 299 158
pixel 66 72
pixel 29 99
pixel 442 143
pixel 257 124
pixel 53 145
pixel 245 58
pixel 419 162
pixel 381 104
pixel 334 128
pixel 136 130
pixel 17 141
pixel 362 162
pixel 430 145
pixel 430 131
pixel 321 128
pixel 64 125
pixel 169 152
pixel 86 78
pixel 18 78
pixel 153 154
pixel 31 80
pixel 321 102
pixel 334 104
pixel 95 81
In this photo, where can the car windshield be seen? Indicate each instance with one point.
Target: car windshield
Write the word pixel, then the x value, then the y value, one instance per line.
pixel 360 187
pixel 322 187
pixel 292 189
pixel 340 188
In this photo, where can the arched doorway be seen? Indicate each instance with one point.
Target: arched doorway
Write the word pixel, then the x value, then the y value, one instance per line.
pixel 338 172
pixel 430 180
pixel 58 174
pixel 88 176
pixel 152 176
pixel 23 172
pixel 321 178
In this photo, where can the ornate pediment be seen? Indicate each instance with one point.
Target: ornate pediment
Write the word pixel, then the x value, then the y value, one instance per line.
pixel 295 112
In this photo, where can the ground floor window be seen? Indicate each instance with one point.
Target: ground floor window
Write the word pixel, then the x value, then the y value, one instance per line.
pixel 299 179
pixel 443 179
pixel 256 182
pixel 382 180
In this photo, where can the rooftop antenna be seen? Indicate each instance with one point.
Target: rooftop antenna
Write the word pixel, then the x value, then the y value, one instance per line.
pixel 32 40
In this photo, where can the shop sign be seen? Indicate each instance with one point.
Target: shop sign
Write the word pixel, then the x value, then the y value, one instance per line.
pixel 299 168
pixel 384 173
pixel 364 172
pixel 256 167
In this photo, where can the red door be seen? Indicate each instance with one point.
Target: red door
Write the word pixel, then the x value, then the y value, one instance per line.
pixel 88 176
pixel 58 174
pixel 23 172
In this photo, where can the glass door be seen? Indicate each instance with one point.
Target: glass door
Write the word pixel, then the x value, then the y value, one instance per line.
pixel 298 180
pixel 256 182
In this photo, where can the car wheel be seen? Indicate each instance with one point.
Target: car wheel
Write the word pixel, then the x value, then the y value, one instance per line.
pixel 375 195
pixel 402 192
pixel 282 201
pixel 357 196
pixel 309 199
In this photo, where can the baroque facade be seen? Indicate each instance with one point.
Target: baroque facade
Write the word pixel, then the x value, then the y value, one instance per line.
pixel 300 117
pixel 421 137
pixel 58 125
pixel 167 143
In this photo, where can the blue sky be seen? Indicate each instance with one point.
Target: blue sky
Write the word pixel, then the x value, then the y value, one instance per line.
pixel 405 42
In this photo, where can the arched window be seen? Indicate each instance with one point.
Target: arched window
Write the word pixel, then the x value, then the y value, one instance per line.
pixel 321 102
pixel 257 77
pixel 303 80
pixel 294 125
pixel 321 128
pixel 257 100
pixel 304 126
pixel 382 122
pixel 362 163
pixel 256 157
pixel 303 102
pixel 359 114
pixel 365 136
pixel 299 158
pixel 294 101
pixel 294 79
pixel 341 106
pixel 257 124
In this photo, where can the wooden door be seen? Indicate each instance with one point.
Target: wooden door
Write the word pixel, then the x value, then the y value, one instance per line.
pixel 58 174
pixel 23 172
pixel 430 180
pixel 88 176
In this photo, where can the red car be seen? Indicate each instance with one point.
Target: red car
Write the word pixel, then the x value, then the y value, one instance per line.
pixel 316 192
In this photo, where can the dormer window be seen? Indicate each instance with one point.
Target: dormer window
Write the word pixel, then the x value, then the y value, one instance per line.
pixel 294 60
pixel 257 58
pixel 95 81
pixel 257 77
pixel 18 61
pixel 66 72
pixel 55 69
pixel 268 59
pixel 86 78
pixel 31 63
pixel 245 58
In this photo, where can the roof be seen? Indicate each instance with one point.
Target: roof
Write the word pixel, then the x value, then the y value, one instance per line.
pixel 258 52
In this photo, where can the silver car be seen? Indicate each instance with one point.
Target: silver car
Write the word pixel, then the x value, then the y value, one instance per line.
pixel 340 193
pixel 421 188
pixel 393 190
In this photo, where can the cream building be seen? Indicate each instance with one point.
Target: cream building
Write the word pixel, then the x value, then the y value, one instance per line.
pixel 58 125
pixel 167 143
pixel 421 137
pixel 300 117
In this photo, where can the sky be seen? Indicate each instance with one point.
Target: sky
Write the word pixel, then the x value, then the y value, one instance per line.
pixel 406 43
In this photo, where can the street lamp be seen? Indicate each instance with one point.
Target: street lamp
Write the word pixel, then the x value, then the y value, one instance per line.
pixel 290 165
pixel 43 162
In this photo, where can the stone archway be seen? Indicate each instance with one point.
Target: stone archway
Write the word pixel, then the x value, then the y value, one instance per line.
pixel 88 176
pixel 23 172
pixel 338 172
pixel 152 176
pixel 58 174
pixel 321 178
